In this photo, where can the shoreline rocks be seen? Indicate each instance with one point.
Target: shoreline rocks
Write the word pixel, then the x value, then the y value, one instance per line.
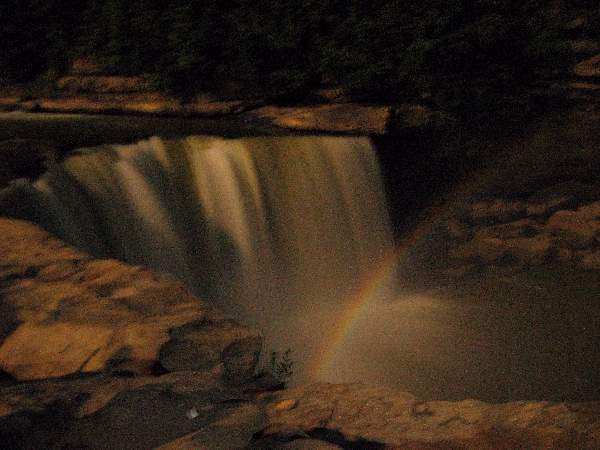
pixel 107 355
pixel 68 314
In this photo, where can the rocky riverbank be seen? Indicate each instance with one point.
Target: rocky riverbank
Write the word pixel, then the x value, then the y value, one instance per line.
pixel 98 354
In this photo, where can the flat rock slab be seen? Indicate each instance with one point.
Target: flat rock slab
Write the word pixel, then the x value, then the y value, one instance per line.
pixel 137 413
pixel 343 118
pixel 360 416
pixel 64 313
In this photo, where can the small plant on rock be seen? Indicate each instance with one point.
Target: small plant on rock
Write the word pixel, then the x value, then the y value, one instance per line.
pixel 281 365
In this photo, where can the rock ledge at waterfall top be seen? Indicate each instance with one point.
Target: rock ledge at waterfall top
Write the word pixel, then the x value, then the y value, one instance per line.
pixel 64 313
pixel 102 94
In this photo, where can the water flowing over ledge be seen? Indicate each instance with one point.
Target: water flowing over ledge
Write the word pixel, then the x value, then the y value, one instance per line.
pixel 278 232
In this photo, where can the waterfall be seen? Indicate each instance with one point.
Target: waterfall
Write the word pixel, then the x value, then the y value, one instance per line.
pixel 277 231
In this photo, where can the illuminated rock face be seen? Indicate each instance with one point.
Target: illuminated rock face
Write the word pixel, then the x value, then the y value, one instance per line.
pixel 376 417
pixel 558 228
pixel 154 412
pixel 278 232
pixel 64 313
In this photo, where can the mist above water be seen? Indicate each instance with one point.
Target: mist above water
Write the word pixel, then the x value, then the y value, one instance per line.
pixel 277 232
pixel 292 235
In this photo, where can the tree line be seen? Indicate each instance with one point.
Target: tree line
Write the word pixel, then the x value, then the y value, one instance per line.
pixel 374 49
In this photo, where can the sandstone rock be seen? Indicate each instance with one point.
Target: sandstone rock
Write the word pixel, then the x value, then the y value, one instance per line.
pixel 579 228
pixel 204 345
pixel 285 405
pixel 134 103
pixel 69 314
pixel 346 117
pixel 150 412
pixel 589 68
pixel 383 418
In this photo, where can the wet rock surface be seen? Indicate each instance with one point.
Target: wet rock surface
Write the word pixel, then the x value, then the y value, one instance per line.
pixel 347 117
pixel 66 314
pixel 97 354
pixel 555 226
pixel 359 416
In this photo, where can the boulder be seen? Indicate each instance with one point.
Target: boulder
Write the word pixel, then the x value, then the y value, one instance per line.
pixel 589 68
pixel 359 416
pixel 66 313
pixel 578 228
pixel 344 117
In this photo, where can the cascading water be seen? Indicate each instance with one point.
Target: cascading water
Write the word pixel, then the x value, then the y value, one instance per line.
pixel 278 232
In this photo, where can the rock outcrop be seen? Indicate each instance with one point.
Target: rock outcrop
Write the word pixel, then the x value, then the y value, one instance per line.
pixel 98 354
pixel 358 416
pixel 133 103
pixel 555 226
pixel 343 117
pixel 66 314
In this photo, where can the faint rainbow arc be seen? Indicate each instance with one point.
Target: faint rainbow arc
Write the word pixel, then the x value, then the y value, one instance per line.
pixel 362 295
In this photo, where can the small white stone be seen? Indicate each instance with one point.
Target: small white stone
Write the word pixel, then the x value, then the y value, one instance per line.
pixel 192 413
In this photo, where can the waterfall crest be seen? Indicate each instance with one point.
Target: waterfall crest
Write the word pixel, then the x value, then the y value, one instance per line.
pixel 277 231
